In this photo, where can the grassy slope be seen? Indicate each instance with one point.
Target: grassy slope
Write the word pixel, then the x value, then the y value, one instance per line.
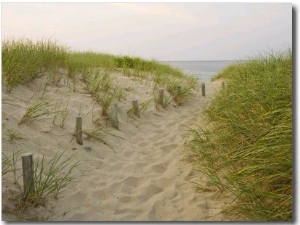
pixel 248 150
pixel 25 60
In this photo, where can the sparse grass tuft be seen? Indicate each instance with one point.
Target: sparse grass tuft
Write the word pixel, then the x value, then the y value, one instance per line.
pixel 60 114
pixel 99 134
pixel 166 101
pixel 14 135
pixel 50 178
pixel 118 93
pixel 105 101
pixel 9 163
pixel 34 112
pixel 178 91
pixel 144 106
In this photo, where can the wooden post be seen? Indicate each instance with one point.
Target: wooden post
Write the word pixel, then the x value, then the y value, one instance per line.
pixel 136 108
pixel 78 131
pixel 28 175
pixel 223 84
pixel 178 89
pixel 161 96
pixel 114 113
pixel 203 89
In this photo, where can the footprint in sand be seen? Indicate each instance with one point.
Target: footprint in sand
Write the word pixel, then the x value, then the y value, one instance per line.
pixel 126 198
pixel 159 131
pixel 100 195
pixel 159 168
pixel 172 124
pixel 100 165
pixel 148 193
pixel 143 144
pixel 168 147
pixel 129 184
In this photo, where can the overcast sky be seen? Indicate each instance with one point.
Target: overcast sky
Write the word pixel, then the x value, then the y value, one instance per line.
pixel 161 31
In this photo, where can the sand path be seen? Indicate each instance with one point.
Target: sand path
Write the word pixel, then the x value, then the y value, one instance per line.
pixel 142 176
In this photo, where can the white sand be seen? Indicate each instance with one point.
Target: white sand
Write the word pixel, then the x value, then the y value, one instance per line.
pixel 143 176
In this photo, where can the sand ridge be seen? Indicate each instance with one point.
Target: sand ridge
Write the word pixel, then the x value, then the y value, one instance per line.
pixel 140 175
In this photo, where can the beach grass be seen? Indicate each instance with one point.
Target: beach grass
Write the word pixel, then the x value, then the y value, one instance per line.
pixel 34 112
pixel 50 177
pixel 23 60
pixel 61 113
pixel 164 101
pixel 14 135
pixel 8 163
pixel 247 149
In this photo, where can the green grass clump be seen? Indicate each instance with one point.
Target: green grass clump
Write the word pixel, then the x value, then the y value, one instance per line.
pixel 9 163
pixel 34 112
pixel 61 113
pixel 24 60
pixel 140 64
pixel 13 135
pixel 83 60
pixel 49 178
pixel 248 148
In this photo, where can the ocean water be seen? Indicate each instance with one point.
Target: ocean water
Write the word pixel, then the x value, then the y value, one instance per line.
pixel 204 70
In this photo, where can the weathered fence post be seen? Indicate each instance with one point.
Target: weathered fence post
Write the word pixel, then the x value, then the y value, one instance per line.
pixel 78 131
pixel 178 89
pixel 114 113
pixel 161 96
pixel 203 89
pixel 223 84
pixel 28 176
pixel 136 108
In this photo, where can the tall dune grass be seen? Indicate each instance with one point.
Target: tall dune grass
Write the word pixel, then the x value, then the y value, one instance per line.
pixel 248 148
pixel 24 60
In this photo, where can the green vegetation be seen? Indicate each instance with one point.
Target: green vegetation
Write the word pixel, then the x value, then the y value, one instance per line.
pixel 13 135
pixel 34 112
pixel 9 162
pixel 247 149
pixel 49 178
pixel 165 101
pixel 24 60
pixel 61 113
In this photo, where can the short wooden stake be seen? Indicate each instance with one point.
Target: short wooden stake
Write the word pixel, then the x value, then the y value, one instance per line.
pixel 178 89
pixel 78 131
pixel 203 89
pixel 223 84
pixel 136 108
pixel 161 96
pixel 114 113
pixel 28 176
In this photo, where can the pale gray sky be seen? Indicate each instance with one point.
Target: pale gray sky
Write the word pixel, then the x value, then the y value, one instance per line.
pixel 161 31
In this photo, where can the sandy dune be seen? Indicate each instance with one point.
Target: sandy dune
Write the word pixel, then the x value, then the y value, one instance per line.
pixel 141 175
